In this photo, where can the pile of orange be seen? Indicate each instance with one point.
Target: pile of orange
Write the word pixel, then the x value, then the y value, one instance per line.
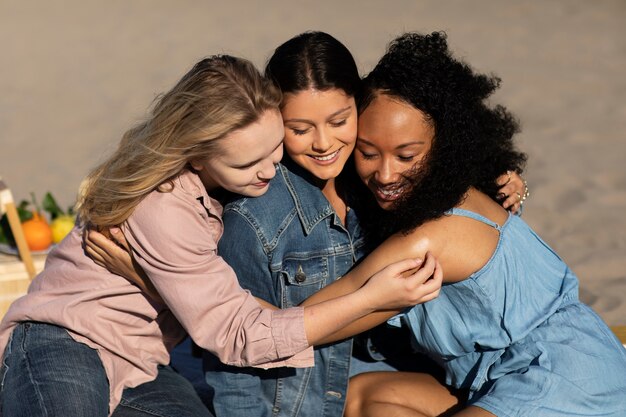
pixel 37 233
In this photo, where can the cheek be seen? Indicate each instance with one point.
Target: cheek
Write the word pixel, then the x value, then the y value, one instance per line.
pixel 238 178
pixel 293 145
pixel 363 167
pixel 279 155
pixel 349 132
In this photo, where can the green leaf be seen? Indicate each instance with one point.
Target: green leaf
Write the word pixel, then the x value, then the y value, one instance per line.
pixel 23 211
pixel 50 205
pixel 6 236
pixel 3 237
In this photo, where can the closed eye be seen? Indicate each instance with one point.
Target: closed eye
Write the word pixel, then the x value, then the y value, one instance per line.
pixel 338 123
pixel 366 155
pixel 299 131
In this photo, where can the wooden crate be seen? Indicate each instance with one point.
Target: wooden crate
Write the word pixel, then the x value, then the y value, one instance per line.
pixel 14 279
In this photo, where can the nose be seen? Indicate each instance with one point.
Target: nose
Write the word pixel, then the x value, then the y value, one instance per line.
pixel 322 141
pixel 267 170
pixel 385 173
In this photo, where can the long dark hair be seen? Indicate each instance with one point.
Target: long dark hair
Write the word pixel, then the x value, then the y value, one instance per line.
pixel 473 143
pixel 316 60
pixel 313 60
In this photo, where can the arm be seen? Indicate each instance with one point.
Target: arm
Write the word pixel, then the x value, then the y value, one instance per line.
pixel 392 250
pixel 115 254
pixel 203 293
pixel 110 250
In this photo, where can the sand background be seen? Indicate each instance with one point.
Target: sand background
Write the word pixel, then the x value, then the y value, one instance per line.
pixel 75 74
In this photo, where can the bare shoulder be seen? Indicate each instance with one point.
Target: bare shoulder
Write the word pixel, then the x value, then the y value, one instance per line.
pixel 462 245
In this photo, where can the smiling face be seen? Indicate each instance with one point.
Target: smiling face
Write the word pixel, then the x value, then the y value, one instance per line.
pixel 247 158
pixel 394 138
pixel 320 130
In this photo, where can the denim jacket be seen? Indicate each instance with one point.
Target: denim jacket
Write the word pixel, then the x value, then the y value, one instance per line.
pixel 284 247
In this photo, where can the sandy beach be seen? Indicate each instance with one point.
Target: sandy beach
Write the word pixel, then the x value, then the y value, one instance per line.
pixel 76 74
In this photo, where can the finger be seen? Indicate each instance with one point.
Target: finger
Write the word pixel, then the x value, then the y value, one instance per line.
pixel 94 248
pixel 106 245
pixel 435 281
pixel 119 237
pixel 429 297
pixel 503 179
pixel 510 201
pixel 96 257
pixel 426 270
pixel 397 268
pixel 508 189
pixel 438 274
pixel 516 185
pixel 517 179
pixel 99 239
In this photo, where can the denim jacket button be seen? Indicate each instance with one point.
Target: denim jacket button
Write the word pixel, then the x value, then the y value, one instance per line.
pixel 300 275
pixel 334 394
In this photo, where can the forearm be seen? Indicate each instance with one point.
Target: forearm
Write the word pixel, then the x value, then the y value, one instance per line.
pixel 354 327
pixel 392 250
pixel 327 318
pixel 360 325
pixel 358 275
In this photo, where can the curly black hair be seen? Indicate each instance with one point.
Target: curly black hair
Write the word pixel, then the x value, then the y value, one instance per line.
pixel 473 143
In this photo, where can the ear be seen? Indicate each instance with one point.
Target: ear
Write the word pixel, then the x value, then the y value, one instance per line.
pixel 196 164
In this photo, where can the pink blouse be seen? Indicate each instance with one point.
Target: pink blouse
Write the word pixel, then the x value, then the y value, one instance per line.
pixel 174 238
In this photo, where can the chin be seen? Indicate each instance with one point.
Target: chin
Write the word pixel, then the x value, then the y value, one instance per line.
pixel 325 175
pixel 386 205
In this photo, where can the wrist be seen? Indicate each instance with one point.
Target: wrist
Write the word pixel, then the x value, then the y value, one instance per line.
pixel 363 300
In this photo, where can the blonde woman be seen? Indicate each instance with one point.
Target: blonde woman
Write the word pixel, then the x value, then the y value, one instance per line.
pixel 86 342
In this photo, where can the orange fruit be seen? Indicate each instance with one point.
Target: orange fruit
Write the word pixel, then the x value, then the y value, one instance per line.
pixel 37 233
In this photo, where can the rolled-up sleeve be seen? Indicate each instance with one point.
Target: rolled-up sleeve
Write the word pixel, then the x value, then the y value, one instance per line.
pixel 173 242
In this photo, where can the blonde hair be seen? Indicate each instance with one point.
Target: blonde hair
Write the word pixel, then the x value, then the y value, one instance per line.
pixel 219 95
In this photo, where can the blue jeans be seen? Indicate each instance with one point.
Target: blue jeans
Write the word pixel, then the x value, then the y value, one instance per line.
pixel 46 372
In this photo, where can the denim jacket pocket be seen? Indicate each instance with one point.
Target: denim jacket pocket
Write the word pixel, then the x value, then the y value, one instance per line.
pixel 302 277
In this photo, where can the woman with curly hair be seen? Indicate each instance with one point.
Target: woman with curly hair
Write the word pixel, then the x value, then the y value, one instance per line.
pixel 507 327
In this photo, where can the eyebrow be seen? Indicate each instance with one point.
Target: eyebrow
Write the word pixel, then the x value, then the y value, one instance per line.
pixel 338 112
pixel 404 145
pixel 249 164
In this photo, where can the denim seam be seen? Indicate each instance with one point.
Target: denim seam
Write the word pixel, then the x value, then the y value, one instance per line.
pixel 5 362
pixel 267 245
pixel 302 391
pixel 142 409
pixel 31 377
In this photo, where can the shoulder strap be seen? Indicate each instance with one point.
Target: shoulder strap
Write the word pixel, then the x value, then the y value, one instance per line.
pixel 470 214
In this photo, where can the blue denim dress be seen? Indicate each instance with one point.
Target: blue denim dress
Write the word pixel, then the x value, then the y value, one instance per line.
pixel 285 246
pixel 515 334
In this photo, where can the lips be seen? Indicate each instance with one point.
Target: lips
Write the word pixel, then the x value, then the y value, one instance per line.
pixel 261 184
pixel 388 193
pixel 326 158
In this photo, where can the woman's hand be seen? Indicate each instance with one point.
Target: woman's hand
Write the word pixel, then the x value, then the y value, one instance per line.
pixel 513 191
pixel 106 253
pixel 405 283
pixel 116 257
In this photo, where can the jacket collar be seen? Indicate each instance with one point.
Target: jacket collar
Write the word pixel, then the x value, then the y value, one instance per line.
pixel 311 205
